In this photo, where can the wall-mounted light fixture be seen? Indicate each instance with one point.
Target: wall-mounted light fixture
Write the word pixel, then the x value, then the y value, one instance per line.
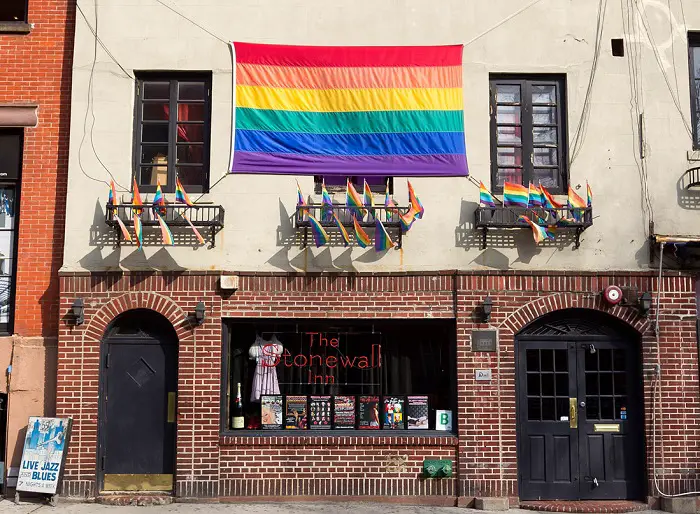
pixel 78 310
pixel 199 313
pixel 644 303
pixel 486 309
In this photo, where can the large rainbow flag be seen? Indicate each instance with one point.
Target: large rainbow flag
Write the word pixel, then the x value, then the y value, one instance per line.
pixel 354 110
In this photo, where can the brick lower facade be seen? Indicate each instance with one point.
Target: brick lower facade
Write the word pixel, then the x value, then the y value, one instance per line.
pixel 209 464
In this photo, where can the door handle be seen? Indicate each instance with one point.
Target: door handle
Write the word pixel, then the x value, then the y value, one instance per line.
pixel 573 413
pixel 172 403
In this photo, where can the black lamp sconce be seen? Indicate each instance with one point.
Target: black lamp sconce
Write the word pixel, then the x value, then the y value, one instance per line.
pixel 644 304
pixel 78 311
pixel 486 309
pixel 199 314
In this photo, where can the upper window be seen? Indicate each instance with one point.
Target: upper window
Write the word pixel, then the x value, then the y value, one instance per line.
pixel 528 128
pixel 173 125
pixel 339 374
pixel 338 184
pixel 13 10
pixel 694 53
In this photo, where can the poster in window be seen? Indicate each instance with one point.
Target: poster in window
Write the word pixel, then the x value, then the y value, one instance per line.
pixel 271 411
pixel 320 412
pixel 295 414
pixel 417 412
pixel 393 417
pixel 344 412
pixel 43 454
pixel 369 413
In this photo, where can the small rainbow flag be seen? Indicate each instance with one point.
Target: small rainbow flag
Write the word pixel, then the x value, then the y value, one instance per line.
pixel 159 201
pixel 538 233
pixel 368 199
pixel 112 200
pixel 125 232
pixel 415 202
pixel 575 203
pixel 326 203
pixel 382 241
pixel 515 195
pixel 194 229
pixel 136 199
pixel 301 201
pixel 341 228
pixel 360 235
pixel 589 195
pixel 353 201
pixel 564 222
pixel 320 234
pixel 485 196
pixel 407 219
pixel 535 196
pixel 389 203
pixel 181 194
pixel 165 231
pixel 138 230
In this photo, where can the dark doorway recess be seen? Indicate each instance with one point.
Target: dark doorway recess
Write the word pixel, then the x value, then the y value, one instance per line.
pixel 138 398
pixel 580 408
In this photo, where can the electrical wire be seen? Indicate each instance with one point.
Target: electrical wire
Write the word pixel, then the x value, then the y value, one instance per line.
pixel 194 22
pixel 104 47
pixel 89 110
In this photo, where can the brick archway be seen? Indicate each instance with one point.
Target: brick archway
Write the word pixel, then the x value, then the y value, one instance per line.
pixel 537 308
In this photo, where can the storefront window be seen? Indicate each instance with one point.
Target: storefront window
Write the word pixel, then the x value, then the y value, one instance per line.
pixel 339 375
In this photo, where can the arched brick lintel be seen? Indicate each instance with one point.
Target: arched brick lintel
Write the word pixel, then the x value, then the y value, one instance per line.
pixel 529 312
pixel 156 302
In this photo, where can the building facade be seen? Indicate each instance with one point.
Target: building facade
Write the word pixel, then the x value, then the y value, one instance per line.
pixel 36 48
pixel 566 370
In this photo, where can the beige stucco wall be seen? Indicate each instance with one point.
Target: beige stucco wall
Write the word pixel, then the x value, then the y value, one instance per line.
pixel 551 36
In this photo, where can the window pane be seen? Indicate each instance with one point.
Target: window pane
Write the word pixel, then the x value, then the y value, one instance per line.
pixel 547 360
pixel 508 114
pixel 592 383
pixel 190 112
pixel 544 94
pixel 156 111
pixel 156 90
pixel 696 62
pixel 533 360
pixel 191 91
pixel 548 384
pixel 154 133
pixel 193 154
pixel 508 135
pixel 607 408
pixel 534 411
pixel 507 93
pixel 548 409
pixel 190 133
pixel 544 115
pixel 510 156
pixel 562 408
pixel 7 208
pixel 548 177
pixel 13 10
pixel 191 175
pixel 533 384
pixel 562 384
pixel 544 135
pixel 509 175
pixel 546 157
pixel 150 175
pixel 157 154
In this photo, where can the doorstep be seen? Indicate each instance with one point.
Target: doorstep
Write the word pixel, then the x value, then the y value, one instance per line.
pixel 607 506
pixel 140 498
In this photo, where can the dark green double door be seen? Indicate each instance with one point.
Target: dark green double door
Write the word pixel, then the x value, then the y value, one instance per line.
pixel 580 420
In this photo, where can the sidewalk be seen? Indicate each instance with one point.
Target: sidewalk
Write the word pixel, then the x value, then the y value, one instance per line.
pixel 241 508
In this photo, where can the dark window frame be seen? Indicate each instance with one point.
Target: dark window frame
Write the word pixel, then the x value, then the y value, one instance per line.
pixel 694 83
pixel 23 21
pixel 224 429
pixel 526 81
pixel 174 78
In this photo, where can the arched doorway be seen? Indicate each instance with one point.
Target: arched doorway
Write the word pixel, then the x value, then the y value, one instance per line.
pixel 580 408
pixel 138 388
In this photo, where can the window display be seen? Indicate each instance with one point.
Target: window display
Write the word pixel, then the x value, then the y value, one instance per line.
pixel 350 374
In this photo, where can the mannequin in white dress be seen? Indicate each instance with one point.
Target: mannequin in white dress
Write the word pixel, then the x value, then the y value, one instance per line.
pixel 265 354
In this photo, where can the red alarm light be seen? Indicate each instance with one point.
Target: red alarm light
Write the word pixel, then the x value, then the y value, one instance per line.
pixel 612 295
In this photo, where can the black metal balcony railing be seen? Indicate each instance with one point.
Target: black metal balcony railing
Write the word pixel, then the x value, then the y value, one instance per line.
pixel 503 217
pixel 691 178
pixel 209 217
pixel 388 217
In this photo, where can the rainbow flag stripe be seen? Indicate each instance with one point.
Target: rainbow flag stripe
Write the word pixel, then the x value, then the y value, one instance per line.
pixel 540 234
pixel 354 201
pixel 194 229
pixel 343 232
pixel 515 195
pixel 180 193
pixel 407 220
pixel 159 201
pixel 320 234
pixel 138 230
pixel 301 201
pixel 382 241
pixel 535 196
pixel 416 206
pixel 589 195
pixel 362 110
pixel 367 197
pixel 112 200
pixel 575 201
pixel 485 196
pixel 125 232
pixel 360 235
pixel 165 231
pixel 549 201
pixel 136 199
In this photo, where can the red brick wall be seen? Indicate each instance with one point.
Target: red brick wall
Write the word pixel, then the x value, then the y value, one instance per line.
pixel 36 68
pixel 484 450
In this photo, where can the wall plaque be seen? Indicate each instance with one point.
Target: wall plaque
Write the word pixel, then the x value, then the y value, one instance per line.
pixel 484 340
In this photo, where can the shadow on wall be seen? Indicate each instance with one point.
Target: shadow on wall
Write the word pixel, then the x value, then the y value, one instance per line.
pixel 689 198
